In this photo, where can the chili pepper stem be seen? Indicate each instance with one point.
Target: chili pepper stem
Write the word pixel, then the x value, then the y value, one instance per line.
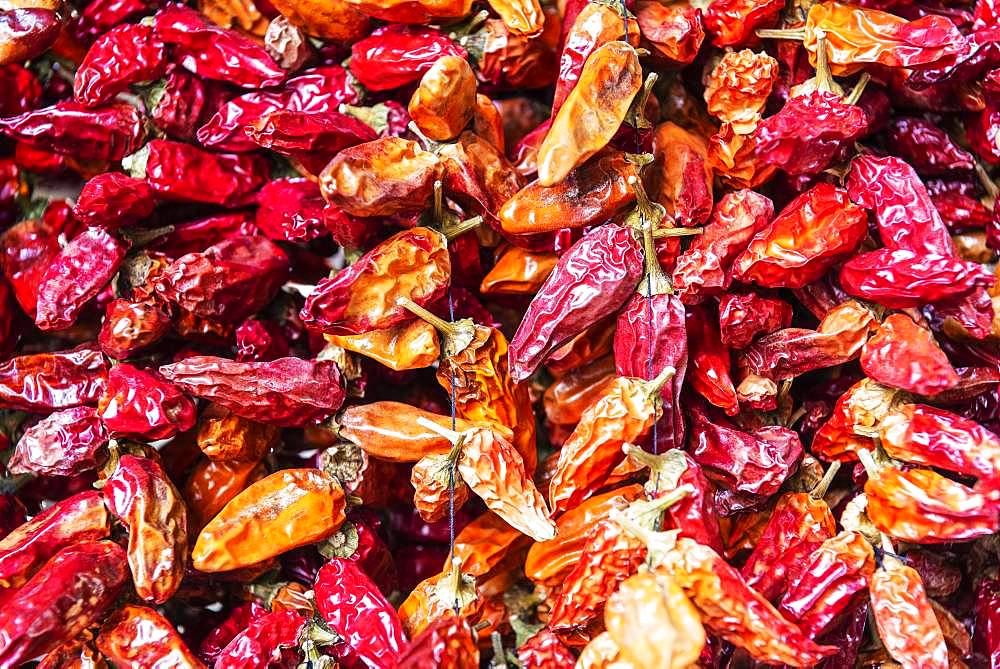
pixel 450 435
pixel 661 233
pixel 657 282
pixel 868 461
pixel 654 386
pixel 819 492
pixel 499 657
pixel 824 78
pixel 794 34
pixel 457 336
pixel 457 229
pixel 858 90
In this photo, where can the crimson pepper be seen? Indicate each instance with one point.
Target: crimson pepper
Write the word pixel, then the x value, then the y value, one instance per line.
pixel 109 132
pixel 132 325
pixel 114 200
pixel 310 138
pixel 287 391
pixel 709 361
pixel 238 620
pixel 396 55
pixel 213 52
pixel 745 316
pixel 900 279
pixel 29 247
pixel 140 404
pixel 322 89
pixel 262 639
pixel 65 443
pixel 986 637
pixel 20 89
pixel 353 607
pixel 79 518
pixel 74 590
pixel 180 104
pixel 260 341
pixel 226 282
pixel 750 465
pixel 922 144
pixel 196 236
pixel 76 276
pixel 184 172
pixel 372 553
pixel 125 55
pixel 734 22
pixel 591 280
pixel 45 381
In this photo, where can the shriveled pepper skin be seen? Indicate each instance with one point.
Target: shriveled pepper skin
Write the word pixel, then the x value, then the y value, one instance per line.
pixel 591 280
pixel 905 619
pixel 140 404
pixel 354 608
pixel 65 443
pixel 592 112
pixel 445 100
pixel 905 356
pixel 448 642
pixel 72 591
pixel 125 55
pixel 290 508
pixel 109 132
pixel 141 496
pixel 77 519
pixel 286 391
pixel 76 275
pixel 137 637
pixel 414 264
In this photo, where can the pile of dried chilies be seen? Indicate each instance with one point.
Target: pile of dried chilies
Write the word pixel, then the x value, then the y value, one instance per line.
pixel 631 334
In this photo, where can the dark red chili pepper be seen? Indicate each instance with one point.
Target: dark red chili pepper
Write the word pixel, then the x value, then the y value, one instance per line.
pixel 65 443
pixel 196 236
pixel 46 381
pixel 109 132
pixel 260 642
pixel 132 325
pixel 181 104
pixel 125 55
pixel 74 590
pixel 287 391
pixel 591 280
pixel 260 341
pixel 21 89
pixel 291 210
pixel 114 200
pixel 355 609
pixel 745 316
pixel 26 33
pixel 212 52
pixel 709 361
pixel 28 249
pixel 140 404
pixel 238 620
pixel 922 144
pixel 322 89
pixel 900 279
pixel 397 55
pixel 226 282
pixel 82 517
pixel 986 637
pixel 76 276
pixel 184 172
pixel 310 138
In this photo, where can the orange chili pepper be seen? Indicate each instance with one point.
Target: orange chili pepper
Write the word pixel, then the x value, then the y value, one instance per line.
pixel 518 271
pixel 410 345
pixel 290 508
pixel 436 487
pixel 905 619
pixel 483 543
pixel 137 636
pixel 334 20
pixel 435 596
pixel 739 87
pixel 445 100
pixel 212 484
pixel 682 175
pixel 222 435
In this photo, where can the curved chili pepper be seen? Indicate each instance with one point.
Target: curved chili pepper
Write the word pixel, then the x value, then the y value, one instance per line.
pixel 65 443
pixel 137 636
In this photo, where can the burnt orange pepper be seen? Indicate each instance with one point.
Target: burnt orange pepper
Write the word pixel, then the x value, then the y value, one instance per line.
pixel 212 484
pixel 445 100
pixel 548 562
pixel 138 636
pixel 904 617
pixel 290 508
pixel 487 122
pixel 622 414
pixel 475 373
pixel 738 88
pixel 733 156
pixel 436 487
pixel 592 112
pixel 518 271
pixel 654 623
pixel 222 435
pixel 410 345
pixel 855 422
pixel 434 596
pixel 334 20
pixel 393 431
pixel 522 17
pixel 483 543
pixel 380 178
pixel 571 394
pixel 591 344
pixel 590 194
pixel 682 177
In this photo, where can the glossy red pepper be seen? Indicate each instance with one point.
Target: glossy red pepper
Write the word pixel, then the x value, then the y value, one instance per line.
pixel 140 404
pixel 396 55
pixel 354 608
pixel 709 361
pixel 109 132
pixel 125 55
pixel 113 200
pixel 181 172
pixel 59 380
pixel 65 443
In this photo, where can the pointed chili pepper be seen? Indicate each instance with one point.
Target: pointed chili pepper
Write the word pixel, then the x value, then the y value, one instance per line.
pixel 106 133
pixel 137 636
pixel 290 508
pixel 286 391
pixel 518 271
pixel 905 619
pixel 72 591
pixel 57 380
pixel 591 114
pixel 903 355
pixel 114 200
pixel 405 346
pixel 445 99
pixel 448 642
pixel 310 138
pixel 76 519
pixel 65 443
pixel 590 281
pixel 921 506
pixel 144 499
pixel 395 55
pixel 799 523
pixel 125 55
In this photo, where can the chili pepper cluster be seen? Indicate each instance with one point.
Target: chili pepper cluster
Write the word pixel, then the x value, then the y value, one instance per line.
pixel 629 334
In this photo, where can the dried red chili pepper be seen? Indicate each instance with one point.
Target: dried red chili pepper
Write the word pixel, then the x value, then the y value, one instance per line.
pixel 287 391
pixel 311 139
pixel 181 171
pixel 709 361
pixel 213 52
pixel 262 639
pixel 354 608
pixel 986 636
pixel 109 132
pixel 140 404
pixel 131 326
pixel 125 55
pixel 65 443
pixel 448 642
pixel 903 355
pixel 57 380
pixel 72 591
pixel 733 22
pixel 114 200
